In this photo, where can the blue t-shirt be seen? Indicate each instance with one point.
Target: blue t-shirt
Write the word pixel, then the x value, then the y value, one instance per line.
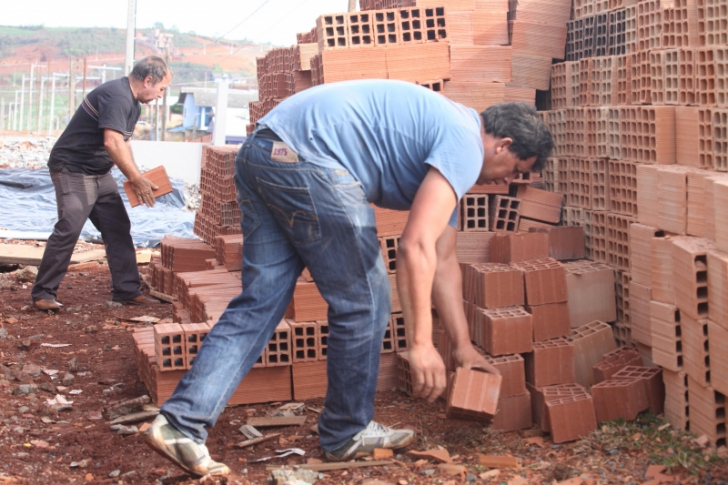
pixel 386 133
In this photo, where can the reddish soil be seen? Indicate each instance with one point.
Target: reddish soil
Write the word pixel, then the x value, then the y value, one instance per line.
pixel 77 446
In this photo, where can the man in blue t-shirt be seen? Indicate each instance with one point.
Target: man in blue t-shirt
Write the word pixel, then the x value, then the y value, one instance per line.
pixel 305 180
pixel 96 139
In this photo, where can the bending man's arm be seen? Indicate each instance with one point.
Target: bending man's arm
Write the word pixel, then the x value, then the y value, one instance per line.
pixel 121 155
pixel 447 294
pixel 416 267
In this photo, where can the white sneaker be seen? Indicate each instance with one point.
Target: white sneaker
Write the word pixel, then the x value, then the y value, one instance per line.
pixel 367 440
pixel 171 443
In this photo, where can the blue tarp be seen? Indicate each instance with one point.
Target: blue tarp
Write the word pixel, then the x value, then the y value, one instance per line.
pixel 28 203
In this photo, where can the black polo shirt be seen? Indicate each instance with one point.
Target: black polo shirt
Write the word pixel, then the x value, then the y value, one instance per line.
pixel 80 148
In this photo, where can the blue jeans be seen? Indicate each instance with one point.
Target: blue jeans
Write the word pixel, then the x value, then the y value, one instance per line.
pixel 294 215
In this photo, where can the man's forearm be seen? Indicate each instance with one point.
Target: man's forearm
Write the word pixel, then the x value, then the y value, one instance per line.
pixel 415 273
pixel 447 295
pixel 121 155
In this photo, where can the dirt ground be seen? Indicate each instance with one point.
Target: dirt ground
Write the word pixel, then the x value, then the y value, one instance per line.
pixel 41 445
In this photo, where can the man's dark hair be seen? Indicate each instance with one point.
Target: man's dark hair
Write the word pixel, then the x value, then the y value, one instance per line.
pixel 521 123
pixel 150 66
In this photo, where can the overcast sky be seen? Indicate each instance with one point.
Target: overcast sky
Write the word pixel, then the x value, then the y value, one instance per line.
pixel 275 21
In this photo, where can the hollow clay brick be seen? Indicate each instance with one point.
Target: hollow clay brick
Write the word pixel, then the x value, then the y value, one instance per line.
pixel 590 289
pixel 309 379
pixel 305 338
pixel 399 335
pixel 614 361
pixel 565 243
pixel 474 212
pixel 652 379
pixel 493 285
pixel 666 340
pixel 591 342
pixel 540 204
pixel 550 363
pixel 514 413
pixel 388 377
pixel 695 349
pixel 474 395
pixel 539 396
pixel 639 309
pixel 512 370
pixel 662 285
pixel 505 330
pixel 690 270
pixel 194 335
pixel 504 214
pixel 473 247
pixel 707 413
pixel 718 360
pixel 677 410
pixel 169 346
pixel 718 287
pixel 619 398
pixel 640 252
pixel 550 320
pixel 478 95
pixel 158 176
pixel 571 417
pixel 404 373
pixel 545 281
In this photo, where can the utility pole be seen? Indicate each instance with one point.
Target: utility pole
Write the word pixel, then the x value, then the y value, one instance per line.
pixel 15 112
pixel 71 89
pixel 352 5
pixel 130 27
pixel 221 102
pixel 40 106
pixel 30 98
pixel 53 100
pixel 84 76
pixel 22 95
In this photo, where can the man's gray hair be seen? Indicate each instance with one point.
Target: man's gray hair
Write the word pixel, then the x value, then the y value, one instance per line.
pixel 151 66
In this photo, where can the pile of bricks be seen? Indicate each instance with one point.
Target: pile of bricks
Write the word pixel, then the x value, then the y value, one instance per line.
pixel 654 212
pixel 636 185
pixel 474 52
pixel 219 213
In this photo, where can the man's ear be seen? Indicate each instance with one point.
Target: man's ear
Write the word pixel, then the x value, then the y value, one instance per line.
pixel 149 80
pixel 503 144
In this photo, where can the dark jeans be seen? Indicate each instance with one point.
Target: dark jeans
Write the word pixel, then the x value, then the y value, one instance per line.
pixel 96 197
pixel 296 214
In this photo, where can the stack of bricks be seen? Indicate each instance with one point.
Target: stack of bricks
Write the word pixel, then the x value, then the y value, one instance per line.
pixel 219 213
pixel 666 167
pixel 476 53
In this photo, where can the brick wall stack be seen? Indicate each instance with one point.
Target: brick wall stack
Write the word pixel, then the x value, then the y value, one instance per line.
pixel 219 214
pixel 654 212
pixel 475 52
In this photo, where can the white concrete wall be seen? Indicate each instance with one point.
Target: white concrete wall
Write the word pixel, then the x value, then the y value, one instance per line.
pixel 180 159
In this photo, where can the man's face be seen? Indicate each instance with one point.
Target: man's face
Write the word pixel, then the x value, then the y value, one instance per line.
pixel 151 91
pixel 501 165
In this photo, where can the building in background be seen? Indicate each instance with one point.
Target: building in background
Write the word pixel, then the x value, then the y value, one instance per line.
pixel 197 112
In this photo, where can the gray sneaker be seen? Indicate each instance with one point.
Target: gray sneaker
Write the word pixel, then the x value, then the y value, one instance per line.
pixel 367 440
pixel 171 443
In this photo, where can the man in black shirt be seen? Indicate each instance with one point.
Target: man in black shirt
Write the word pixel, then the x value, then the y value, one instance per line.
pixel 96 138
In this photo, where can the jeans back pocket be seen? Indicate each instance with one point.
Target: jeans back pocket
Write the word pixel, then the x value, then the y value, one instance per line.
pixel 294 210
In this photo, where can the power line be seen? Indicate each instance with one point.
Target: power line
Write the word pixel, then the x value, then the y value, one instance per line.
pixel 273 24
pixel 243 21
